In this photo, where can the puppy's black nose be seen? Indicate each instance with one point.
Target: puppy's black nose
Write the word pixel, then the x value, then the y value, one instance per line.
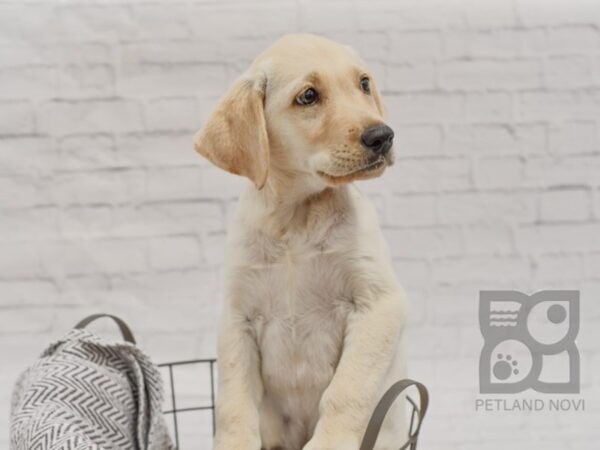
pixel 378 139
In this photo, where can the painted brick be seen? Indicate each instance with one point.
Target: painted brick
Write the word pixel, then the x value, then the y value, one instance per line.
pixel 87 151
pixel 66 117
pixel 410 77
pixel 92 22
pixel 431 15
pixel 213 246
pixel 499 139
pixel 432 175
pixel 431 342
pixel 90 256
pixel 491 74
pixel 411 210
pixel 85 220
pixel 22 224
pixel 174 183
pixel 172 114
pixel 87 80
pixel 37 320
pixel 560 12
pixel 482 270
pixel 412 273
pixel 489 240
pixel 417 141
pixel 216 183
pixel 174 253
pixel 18 192
pixel 573 137
pixel 570 205
pixel 571 104
pixel 489 106
pixel 31 82
pixel 19 259
pixel 490 14
pixel 27 155
pixel 497 43
pixel 553 239
pixel 573 39
pixel 423 242
pixel 499 172
pixel 479 207
pixel 560 171
pixel 158 149
pixel 271 19
pixel 556 270
pixel 98 187
pixel 415 46
pixel 425 107
pixel 18 293
pixel 195 78
pixel 16 118
pixel 165 218
pixel 568 71
pixel 322 23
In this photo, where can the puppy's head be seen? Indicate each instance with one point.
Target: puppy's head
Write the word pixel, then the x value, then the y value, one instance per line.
pixel 305 106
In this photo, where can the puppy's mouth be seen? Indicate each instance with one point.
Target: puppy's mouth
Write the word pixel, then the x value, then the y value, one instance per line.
pixel 370 170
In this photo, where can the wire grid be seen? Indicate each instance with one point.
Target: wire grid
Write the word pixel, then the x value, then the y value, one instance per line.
pixel 174 411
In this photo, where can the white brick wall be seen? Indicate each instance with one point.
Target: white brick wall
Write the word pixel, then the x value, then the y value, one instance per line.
pixel 104 205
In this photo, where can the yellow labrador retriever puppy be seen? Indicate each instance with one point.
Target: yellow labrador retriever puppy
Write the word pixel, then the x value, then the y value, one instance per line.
pixel 309 338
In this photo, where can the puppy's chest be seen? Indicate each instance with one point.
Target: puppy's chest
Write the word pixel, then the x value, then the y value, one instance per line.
pixel 298 300
pixel 298 285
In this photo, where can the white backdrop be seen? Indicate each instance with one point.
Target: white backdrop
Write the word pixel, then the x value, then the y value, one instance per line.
pixel 104 206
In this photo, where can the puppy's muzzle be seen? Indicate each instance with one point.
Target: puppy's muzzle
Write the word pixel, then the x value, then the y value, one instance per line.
pixel 378 139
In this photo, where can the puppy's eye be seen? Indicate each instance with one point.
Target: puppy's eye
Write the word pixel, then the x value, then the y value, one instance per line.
pixel 308 97
pixel 365 85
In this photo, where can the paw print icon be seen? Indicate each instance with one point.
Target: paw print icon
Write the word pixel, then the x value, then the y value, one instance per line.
pixel 529 342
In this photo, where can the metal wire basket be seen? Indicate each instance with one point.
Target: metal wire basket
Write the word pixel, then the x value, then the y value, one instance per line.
pixel 200 430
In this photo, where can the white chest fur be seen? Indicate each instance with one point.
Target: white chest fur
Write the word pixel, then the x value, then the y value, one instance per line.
pixel 294 292
pixel 297 301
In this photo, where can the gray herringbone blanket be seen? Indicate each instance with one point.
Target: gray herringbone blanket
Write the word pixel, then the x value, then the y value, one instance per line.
pixel 87 393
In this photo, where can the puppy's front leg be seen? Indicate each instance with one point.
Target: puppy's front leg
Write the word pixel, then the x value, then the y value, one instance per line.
pixel 373 331
pixel 240 385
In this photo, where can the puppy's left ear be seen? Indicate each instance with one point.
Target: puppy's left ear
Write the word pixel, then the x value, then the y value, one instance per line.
pixel 235 136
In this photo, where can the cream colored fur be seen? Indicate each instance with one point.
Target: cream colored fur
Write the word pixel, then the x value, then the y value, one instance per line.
pixel 310 334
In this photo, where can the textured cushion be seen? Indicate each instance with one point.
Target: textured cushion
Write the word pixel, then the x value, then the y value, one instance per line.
pixel 87 393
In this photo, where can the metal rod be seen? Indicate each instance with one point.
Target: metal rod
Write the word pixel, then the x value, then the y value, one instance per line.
pixel 412 415
pixel 174 406
pixel 195 408
pixel 191 361
pixel 212 395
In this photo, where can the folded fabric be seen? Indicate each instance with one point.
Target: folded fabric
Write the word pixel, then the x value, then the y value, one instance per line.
pixel 88 393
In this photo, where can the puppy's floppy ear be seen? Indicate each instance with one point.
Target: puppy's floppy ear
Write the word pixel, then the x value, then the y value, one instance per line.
pixel 235 136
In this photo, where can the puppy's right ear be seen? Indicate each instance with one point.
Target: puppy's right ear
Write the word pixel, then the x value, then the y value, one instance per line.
pixel 235 136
